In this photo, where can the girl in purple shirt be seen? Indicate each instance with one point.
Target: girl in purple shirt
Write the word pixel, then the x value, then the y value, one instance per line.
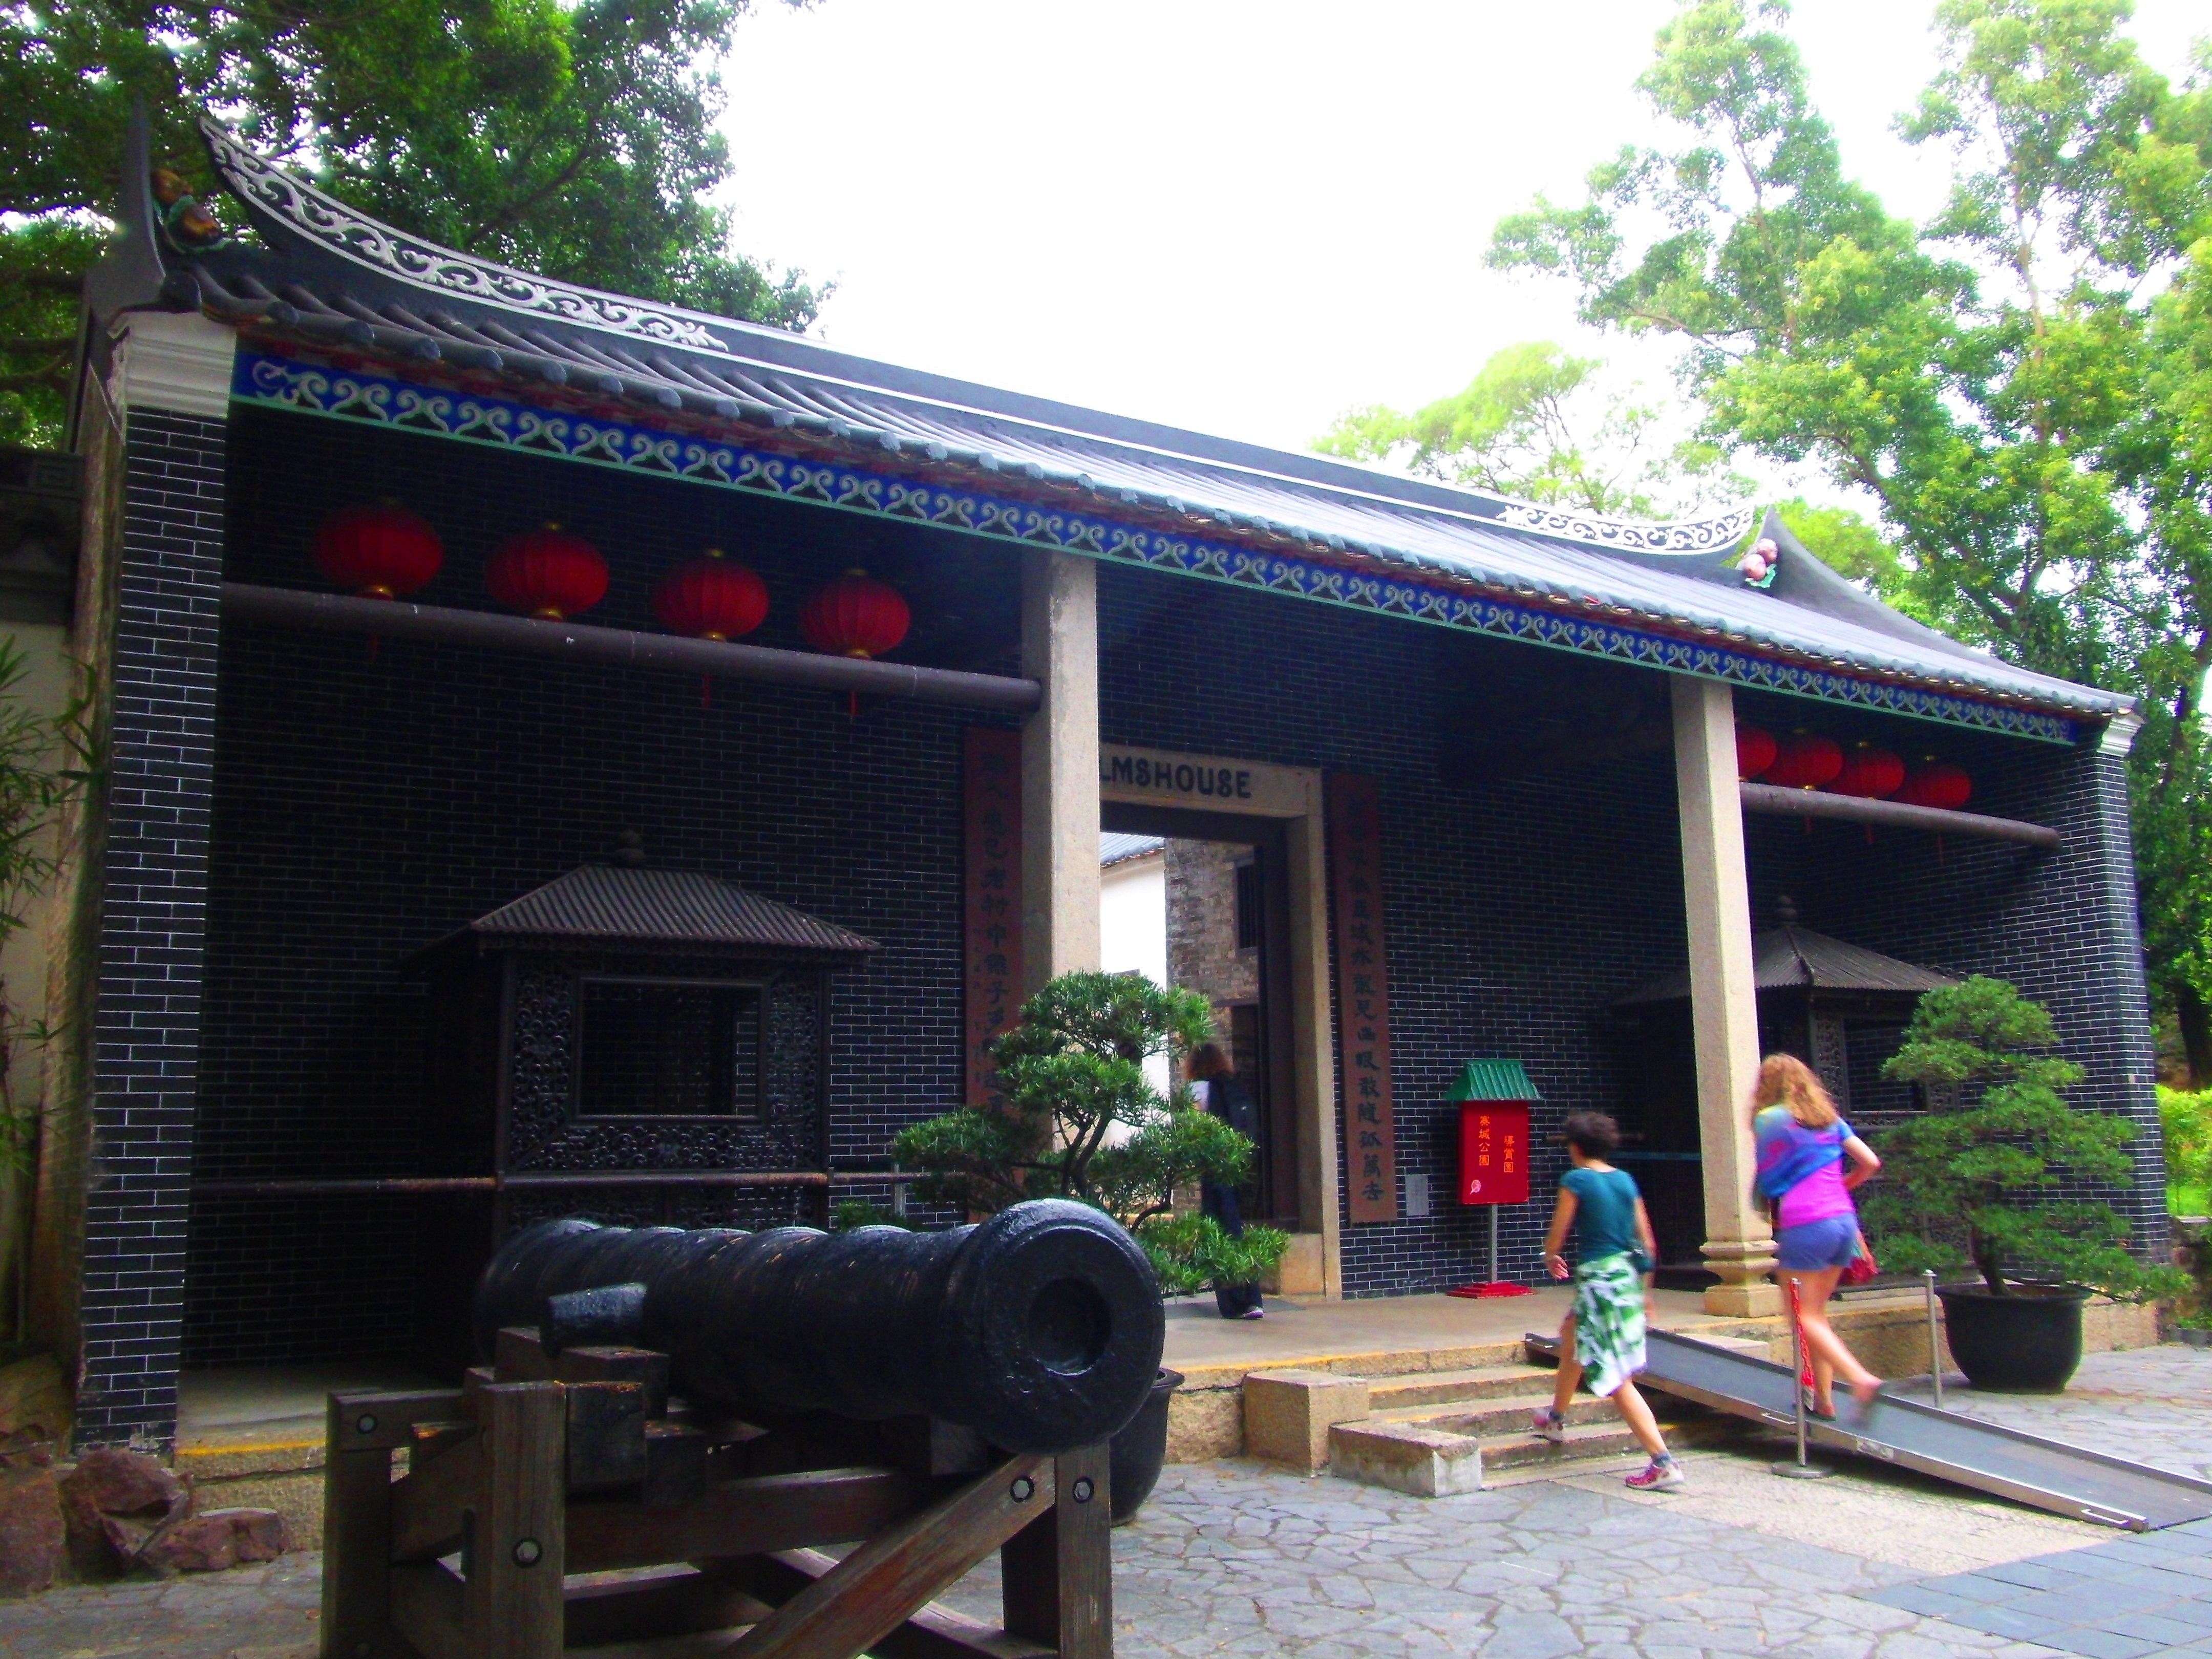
pixel 1809 1163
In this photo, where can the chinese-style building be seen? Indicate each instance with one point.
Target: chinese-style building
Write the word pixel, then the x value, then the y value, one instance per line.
pixel 405 920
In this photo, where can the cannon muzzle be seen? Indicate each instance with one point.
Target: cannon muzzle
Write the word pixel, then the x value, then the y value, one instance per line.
pixel 1040 1328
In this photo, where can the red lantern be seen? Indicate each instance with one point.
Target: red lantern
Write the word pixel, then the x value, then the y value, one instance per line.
pixel 1938 784
pixel 548 574
pixel 378 552
pixel 1754 751
pixel 1805 762
pixel 712 598
pixel 1869 773
pixel 855 616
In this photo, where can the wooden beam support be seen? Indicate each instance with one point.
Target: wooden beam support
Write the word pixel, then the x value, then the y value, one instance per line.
pixel 517 1548
pixel 737 1517
pixel 1058 1572
pixel 886 1581
pixel 1894 814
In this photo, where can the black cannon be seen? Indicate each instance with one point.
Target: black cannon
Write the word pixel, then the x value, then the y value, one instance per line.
pixel 1040 1328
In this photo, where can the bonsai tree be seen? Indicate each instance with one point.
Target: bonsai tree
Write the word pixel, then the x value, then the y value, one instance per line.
pixel 1975 1179
pixel 1071 1073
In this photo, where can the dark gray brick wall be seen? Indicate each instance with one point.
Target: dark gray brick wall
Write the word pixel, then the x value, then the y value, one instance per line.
pixel 146 1041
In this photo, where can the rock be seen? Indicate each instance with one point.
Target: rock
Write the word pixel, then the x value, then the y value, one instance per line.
pixel 121 1501
pixel 33 1540
pixel 219 1539
pixel 205 1543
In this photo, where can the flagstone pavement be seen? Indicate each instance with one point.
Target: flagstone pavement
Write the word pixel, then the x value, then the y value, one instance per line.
pixel 1234 1557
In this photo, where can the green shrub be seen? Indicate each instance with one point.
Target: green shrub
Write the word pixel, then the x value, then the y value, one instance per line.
pixel 1070 1070
pixel 1974 1182
pixel 2186 1120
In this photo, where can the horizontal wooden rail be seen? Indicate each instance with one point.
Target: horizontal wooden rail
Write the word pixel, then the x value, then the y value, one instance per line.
pixel 1853 809
pixel 223 1187
pixel 397 619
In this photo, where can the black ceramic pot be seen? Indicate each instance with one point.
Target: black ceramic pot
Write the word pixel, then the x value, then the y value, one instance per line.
pixel 1139 1450
pixel 2026 1341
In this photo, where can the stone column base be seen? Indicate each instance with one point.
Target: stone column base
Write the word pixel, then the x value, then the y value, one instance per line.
pixel 1755 1301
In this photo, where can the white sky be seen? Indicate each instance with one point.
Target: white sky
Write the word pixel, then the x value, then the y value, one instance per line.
pixel 1235 216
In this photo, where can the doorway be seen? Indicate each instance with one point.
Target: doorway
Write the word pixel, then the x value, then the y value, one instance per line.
pixel 1226 916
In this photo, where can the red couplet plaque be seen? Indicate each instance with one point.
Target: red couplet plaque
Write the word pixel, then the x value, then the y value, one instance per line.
pixel 1493 1152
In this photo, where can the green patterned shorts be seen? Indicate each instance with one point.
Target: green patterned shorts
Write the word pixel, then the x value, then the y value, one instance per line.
pixel 1608 1321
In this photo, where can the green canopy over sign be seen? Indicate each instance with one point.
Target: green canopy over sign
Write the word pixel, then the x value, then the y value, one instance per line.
pixel 1494 1079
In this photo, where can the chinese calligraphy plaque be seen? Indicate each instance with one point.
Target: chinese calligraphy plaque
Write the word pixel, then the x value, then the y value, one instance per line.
pixel 991 806
pixel 1363 997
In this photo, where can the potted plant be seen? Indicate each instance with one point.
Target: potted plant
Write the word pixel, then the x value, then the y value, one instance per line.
pixel 1078 1118
pixel 1975 1179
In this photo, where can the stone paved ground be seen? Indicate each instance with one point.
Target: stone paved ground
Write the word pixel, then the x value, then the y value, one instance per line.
pixel 1234 1557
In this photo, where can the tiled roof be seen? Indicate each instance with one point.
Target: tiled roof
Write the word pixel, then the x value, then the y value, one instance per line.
pixel 332 286
pixel 1117 848
pixel 617 904
pixel 1786 959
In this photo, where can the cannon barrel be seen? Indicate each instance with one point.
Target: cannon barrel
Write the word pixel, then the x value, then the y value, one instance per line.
pixel 1040 1328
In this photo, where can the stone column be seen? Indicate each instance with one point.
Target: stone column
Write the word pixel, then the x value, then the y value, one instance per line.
pixel 1059 767
pixel 170 391
pixel 1723 1003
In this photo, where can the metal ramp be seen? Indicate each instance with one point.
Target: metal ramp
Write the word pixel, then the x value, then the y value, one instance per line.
pixel 2026 1467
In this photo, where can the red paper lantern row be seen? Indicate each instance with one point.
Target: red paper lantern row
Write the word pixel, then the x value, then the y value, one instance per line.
pixel 855 616
pixel 1868 773
pixel 1938 784
pixel 1805 761
pixel 547 573
pixel 378 552
pixel 711 597
pixel 1754 751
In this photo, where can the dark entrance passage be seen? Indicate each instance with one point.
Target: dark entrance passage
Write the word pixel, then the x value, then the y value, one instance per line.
pixel 1229 929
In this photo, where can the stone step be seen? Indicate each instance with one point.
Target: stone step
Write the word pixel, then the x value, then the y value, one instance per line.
pixel 1438 1388
pixel 1431 1459
pixel 1504 1417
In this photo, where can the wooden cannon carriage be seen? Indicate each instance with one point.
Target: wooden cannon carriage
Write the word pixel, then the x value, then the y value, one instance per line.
pixel 562 1500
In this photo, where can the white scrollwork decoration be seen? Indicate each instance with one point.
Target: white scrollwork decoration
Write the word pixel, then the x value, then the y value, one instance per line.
pixel 1691 535
pixel 324 219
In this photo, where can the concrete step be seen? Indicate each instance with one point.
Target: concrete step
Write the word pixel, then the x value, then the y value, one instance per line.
pixel 1431 1459
pixel 1501 1416
pixel 1419 1388
pixel 1610 1439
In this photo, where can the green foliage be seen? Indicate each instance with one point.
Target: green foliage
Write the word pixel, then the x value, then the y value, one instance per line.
pixel 1533 424
pixel 2185 1118
pixel 2022 386
pixel 1191 1252
pixel 1070 1072
pixel 578 140
pixel 851 1213
pixel 1965 1182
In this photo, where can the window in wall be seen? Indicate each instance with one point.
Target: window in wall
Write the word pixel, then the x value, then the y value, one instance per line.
pixel 653 1047
pixel 1248 905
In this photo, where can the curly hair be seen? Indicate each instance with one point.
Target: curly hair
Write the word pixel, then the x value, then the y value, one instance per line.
pixel 1786 1080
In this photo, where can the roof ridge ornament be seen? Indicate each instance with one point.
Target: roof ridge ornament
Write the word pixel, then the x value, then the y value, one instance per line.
pixel 320 218
pixel 1684 536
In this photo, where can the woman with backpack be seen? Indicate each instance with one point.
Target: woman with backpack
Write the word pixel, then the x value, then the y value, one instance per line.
pixel 1221 1092
pixel 1809 1162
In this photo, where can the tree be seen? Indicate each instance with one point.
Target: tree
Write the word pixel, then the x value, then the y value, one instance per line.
pixel 1071 1072
pixel 1972 1181
pixel 2002 382
pixel 577 140
pixel 1535 424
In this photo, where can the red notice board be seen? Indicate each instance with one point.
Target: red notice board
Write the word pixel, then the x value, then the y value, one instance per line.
pixel 1493 1152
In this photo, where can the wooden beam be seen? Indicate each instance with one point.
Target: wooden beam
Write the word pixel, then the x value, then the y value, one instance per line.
pixel 424 1510
pixel 517 1553
pixel 1058 1572
pixel 933 1633
pixel 886 1581
pixel 737 1517
pixel 1895 814
pixel 651 1609
pixel 397 619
